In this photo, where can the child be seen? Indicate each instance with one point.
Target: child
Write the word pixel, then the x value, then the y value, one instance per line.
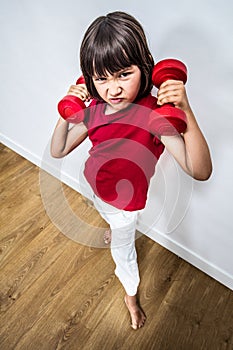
pixel 117 66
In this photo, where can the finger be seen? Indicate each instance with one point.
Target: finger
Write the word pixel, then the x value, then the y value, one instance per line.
pixel 77 88
pixel 168 96
pixel 82 89
pixel 77 94
pixel 78 91
pixel 171 94
pixel 168 83
pixel 171 89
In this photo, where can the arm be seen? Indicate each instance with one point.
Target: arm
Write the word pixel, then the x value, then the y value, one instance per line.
pixel 190 149
pixel 65 139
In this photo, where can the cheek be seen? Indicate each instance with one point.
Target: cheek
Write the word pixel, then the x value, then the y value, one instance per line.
pixel 99 89
pixel 134 88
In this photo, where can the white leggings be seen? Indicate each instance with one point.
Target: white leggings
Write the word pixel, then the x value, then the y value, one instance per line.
pixel 123 227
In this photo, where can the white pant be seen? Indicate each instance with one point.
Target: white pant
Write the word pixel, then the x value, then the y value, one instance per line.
pixel 123 227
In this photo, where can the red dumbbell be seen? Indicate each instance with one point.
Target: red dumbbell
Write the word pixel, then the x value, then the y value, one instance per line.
pixel 167 119
pixel 71 108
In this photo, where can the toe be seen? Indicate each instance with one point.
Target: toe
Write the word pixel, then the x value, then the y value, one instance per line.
pixel 134 326
pixel 107 237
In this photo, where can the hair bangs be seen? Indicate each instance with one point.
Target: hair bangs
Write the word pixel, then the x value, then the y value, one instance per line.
pixel 110 58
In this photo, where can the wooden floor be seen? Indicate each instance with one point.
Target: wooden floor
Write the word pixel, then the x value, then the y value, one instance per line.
pixel 58 294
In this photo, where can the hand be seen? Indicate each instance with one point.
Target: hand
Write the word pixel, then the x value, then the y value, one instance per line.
pixel 79 91
pixel 173 91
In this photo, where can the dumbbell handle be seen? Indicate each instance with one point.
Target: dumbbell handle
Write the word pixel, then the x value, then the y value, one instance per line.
pixel 168 120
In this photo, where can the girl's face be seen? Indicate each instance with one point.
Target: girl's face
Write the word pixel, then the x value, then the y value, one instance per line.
pixel 120 89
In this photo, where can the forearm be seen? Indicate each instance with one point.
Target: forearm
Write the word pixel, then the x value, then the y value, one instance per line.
pixel 198 159
pixel 190 150
pixel 64 140
pixel 59 137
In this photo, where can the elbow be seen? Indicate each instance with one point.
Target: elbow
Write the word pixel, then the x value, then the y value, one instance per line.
pixel 202 177
pixel 56 154
pixel 203 174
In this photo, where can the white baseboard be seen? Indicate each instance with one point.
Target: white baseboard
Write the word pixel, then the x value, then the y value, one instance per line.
pixel 159 237
pixel 188 255
pixel 20 150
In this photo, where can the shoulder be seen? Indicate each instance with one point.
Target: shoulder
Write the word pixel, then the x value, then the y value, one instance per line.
pixel 148 101
pixel 92 112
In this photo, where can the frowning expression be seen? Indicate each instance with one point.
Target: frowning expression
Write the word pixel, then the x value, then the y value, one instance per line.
pixel 120 89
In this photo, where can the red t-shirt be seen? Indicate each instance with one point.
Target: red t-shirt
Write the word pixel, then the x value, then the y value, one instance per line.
pixel 123 155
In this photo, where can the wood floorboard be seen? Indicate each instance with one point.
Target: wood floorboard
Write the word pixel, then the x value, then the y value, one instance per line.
pixel 56 293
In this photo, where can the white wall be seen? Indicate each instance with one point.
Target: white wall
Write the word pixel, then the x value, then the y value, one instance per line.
pixel 39 60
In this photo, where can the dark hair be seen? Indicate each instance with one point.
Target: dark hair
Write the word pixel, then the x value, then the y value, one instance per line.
pixel 114 42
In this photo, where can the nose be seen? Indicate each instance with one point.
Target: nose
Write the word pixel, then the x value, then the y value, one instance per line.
pixel 114 88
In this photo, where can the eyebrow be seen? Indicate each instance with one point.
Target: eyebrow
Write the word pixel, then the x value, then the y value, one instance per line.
pixel 96 75
pixel 124 69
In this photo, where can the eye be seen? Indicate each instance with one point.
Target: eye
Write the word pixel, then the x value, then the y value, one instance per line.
pixel 100 79
pixel 124 74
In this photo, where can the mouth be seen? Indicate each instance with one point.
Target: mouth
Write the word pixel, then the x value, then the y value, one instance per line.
pixel 115 100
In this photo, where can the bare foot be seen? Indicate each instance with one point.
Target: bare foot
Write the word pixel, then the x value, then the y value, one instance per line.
pixel 138 317
pixel 107 236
